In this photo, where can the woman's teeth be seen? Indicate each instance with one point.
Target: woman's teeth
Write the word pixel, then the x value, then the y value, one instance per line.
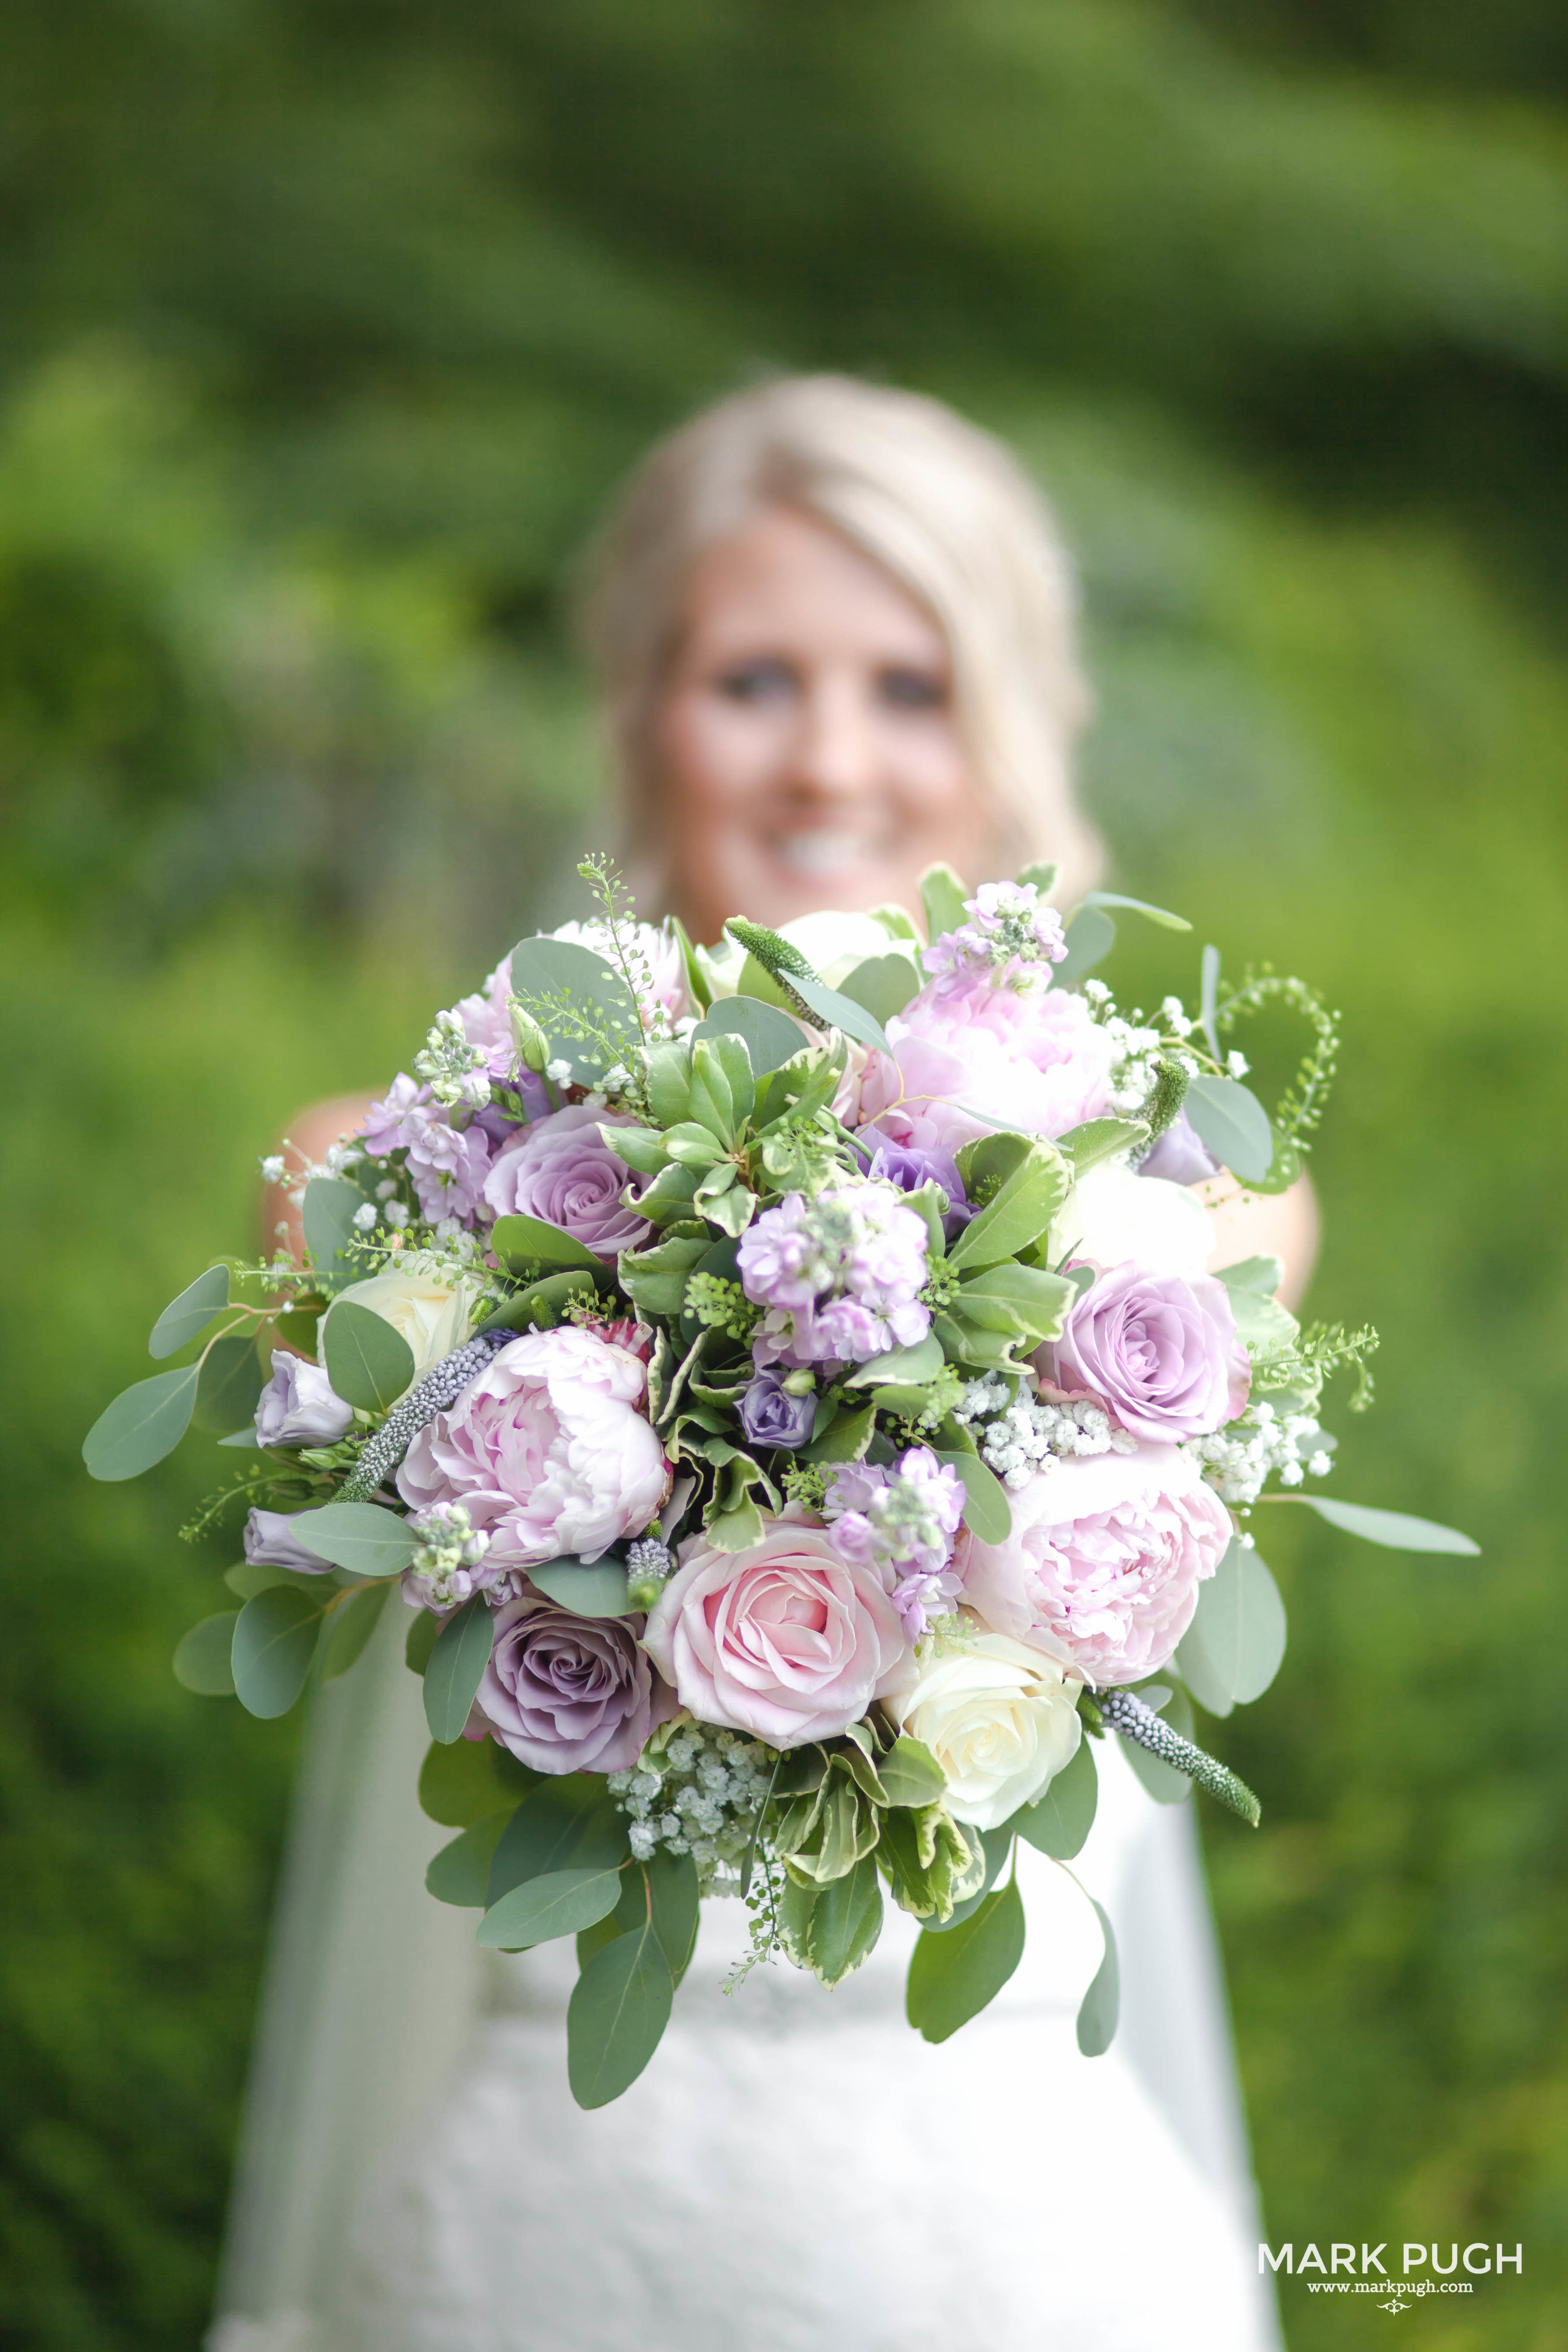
pixel 821 852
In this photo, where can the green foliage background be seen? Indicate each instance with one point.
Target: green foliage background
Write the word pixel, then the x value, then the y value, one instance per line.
pixel 328 330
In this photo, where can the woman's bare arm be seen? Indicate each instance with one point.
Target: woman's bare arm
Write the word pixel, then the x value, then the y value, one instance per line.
pixel 1285 1225
pixel 309 1135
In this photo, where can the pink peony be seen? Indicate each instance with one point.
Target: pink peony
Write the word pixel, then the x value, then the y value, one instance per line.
pixel 562 1169
pixel 788 1641
pixel 546 1448
pixel 987 1057
pixel 1103 1563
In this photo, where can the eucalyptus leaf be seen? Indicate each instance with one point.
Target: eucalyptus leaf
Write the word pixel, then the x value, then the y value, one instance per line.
pixel 368 1363
pixel 421 1641
pixel 274 1643
pixel 1059 1821
pixel 349 1627
pixel 1161 915
pixel 987 1510
pixel 1396 1531
pixel 1230 1119
pixel 468 1779
pixel 557 1902
pixel 460 1873
pixel 231 1380
pixel 672 1883
pixel 772 1037
pixel 884 985
pixel 330 1208
pixel 142 1425
pixel 358 1536
pixel 1090 936
pixel 599 1590
pixel 564 1823
pixel 1231 1651
pixel 202 1661
pixel 1101 2006
pixel 954 1976
pixel 183 1318
pixel 562 970
pixel 1043 875
pixel 943 896
pixel 1208 1000
pixel 619 2008
pixel 456 1667
pixel 520 1239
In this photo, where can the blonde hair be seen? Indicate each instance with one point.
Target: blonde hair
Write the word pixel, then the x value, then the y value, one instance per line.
pixel 940 505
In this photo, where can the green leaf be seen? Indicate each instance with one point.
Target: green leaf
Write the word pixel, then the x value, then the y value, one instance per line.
pixel 712 1101
pixel 540 1306
pixel 845 1921
pixel 884 985
pixel 330 1207
pixel 142 1425
pixel 669 1196
pixel 456 1665
pixel 1021 1211
pixel 1043 876
pixel 1208 1000
pixel 1231 1120
pixel 1097 1140
pixel 996 1846
pixel 772 1037
pixel 1101 2004
pixel 669 1082
pixel 1260 1275
pixel 1231 1651
pixel 358 1536
pixel 733 1212
pixel 1090 936
pixel 954 1976
pixel 943 896
pixel 904 1366
pixel 599 1590
pixel 555 968
pixel 655 1279
pixel 910 1774
pixel 558 1902
pixel 368 1363
pixel 274 1643
pixel 1058 1822
pixel 1023 1298
pixel 460 1873
pixel 567 1823
pixel 349 1627
pixel 844 1440
pixel 986 1509
pixel 197 1306
pixel 252 1577
pixel 522 1240
pixel 619 2008
pixel 466 1782
pixel 1394 1529
pixel 202 1661
pixel 1262 1324
pixel 696 981
pixel 422 1637
pixel 1161 915
pixel 792 977
pixel 231 1380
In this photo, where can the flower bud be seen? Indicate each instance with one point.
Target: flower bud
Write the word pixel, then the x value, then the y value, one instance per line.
pixel 533 1044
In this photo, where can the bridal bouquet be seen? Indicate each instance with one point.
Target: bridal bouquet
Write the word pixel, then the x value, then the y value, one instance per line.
pixel 787 1386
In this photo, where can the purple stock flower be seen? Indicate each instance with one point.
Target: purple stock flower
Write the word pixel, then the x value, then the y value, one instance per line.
pixel 1180 1155
pixel 840 1276
pixel 562 1169
pixel 569 1694
pixel 910 1165
pixel 269 1544
pixel 903 1519
pixel 300 1406
pixel 770 1415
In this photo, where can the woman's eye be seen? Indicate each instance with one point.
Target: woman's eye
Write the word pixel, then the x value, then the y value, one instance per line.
pixel 912 689
pixel 765 680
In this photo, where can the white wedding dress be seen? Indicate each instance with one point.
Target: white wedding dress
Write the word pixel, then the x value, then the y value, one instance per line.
pixel 797 2171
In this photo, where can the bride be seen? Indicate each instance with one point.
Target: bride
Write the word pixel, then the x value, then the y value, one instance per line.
pixel 835 628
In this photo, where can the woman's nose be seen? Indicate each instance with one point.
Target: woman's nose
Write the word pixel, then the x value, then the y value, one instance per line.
pixel 833 752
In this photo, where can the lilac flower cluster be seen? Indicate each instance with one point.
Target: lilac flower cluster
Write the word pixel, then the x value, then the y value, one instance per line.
pixel 903 1519
pixel 840 1277
pixel 448 1565
pixel 1009 929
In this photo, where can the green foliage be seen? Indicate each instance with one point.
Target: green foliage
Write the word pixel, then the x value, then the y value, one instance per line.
pixel 954 1975
pixel 456 1665
pixel 369 1364
pixel 1232 1649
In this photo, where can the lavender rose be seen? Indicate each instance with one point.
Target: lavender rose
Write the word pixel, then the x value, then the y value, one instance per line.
pixel 269 1544
pixel 569 1694
pixel 1180 1156
pixel 546 1448
pixel 909 1167
pixel 771 1415
pixel 1162 1352
pixel 1103 1562
pixel 788 1641
pixel 562 1169
pixel 300 1406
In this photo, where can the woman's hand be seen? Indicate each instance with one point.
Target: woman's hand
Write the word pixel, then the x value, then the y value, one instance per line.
pixel 310 1137
pixel 1285 1225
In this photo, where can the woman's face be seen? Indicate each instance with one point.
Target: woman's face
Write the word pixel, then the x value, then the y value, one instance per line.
pixel 807 751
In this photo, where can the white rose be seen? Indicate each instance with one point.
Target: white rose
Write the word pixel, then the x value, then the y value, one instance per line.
pixel 833 945
pixel 1001 1720
pixel 1113 1217
pixel 432 1316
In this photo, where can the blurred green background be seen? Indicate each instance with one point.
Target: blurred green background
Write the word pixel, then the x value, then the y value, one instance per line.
pixel 327 331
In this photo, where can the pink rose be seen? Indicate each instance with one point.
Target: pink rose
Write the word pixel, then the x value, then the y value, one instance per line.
pixel 985 1058
pixel 1102 1566
pixel 546 1448
pixel 788 1641
pixel 562 1169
